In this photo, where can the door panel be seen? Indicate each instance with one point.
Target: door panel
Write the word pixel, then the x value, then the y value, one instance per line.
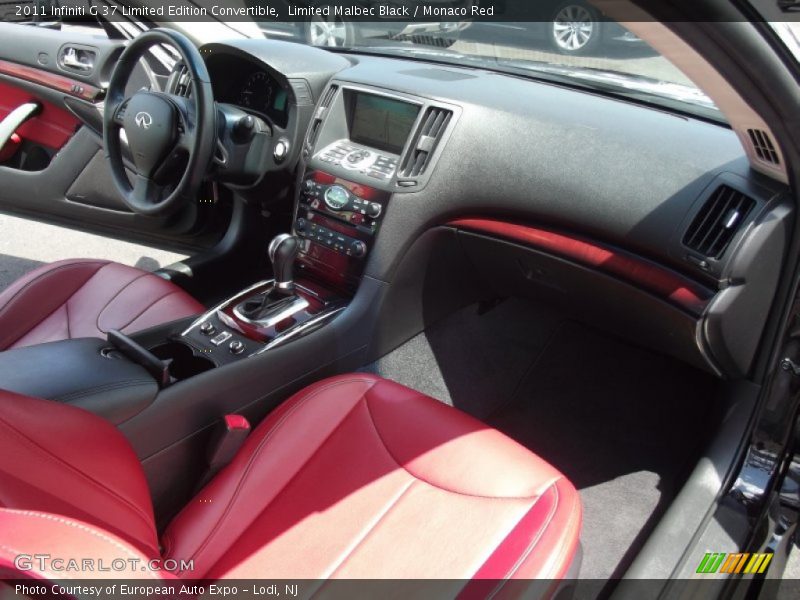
pixel 51 127
pixel 54 168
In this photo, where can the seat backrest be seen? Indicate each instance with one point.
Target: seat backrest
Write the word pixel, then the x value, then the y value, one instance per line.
pixel 43 546
pixel 65 461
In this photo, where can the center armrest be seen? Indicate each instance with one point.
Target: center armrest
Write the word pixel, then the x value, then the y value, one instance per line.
pixel 82 372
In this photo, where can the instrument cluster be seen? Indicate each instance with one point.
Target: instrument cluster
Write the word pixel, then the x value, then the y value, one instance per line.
pixel 255 90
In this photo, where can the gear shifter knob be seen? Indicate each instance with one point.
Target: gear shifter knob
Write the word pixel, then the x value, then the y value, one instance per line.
pixel 282 253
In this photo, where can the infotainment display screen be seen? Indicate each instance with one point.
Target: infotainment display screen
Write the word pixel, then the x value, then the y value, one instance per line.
pixel 381 123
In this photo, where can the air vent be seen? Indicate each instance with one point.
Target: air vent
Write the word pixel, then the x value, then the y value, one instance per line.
pixel 319 116
pixel 427 138
pixel 718 221
pixel 328 98
pixel 763 146
pixel 312 133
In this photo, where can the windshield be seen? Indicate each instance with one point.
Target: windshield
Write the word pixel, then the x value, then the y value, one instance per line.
pixel 577 46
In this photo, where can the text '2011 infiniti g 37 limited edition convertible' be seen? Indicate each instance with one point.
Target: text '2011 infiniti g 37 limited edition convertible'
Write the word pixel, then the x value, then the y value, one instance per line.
pixel 399 299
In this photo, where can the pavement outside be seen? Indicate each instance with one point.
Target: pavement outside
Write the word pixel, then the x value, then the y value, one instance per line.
pixel 24 245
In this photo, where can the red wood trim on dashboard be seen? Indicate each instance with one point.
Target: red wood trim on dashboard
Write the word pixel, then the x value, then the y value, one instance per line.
pixel 54 81
pixel 673 287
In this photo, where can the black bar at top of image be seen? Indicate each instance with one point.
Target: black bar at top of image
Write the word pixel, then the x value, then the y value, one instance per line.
pixel 397 10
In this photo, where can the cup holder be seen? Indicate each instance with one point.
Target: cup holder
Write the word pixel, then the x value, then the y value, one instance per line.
pixel 185 363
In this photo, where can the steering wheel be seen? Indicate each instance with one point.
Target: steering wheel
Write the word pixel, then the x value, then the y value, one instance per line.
pixel 164 131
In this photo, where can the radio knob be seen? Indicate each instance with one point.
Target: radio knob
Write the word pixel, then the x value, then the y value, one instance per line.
pixel 358 248
pixel 336 197
pixel 309 186
pixel 374 210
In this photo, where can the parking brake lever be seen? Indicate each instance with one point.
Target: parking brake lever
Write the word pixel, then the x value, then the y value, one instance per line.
pixel 15 119
pixel 141 356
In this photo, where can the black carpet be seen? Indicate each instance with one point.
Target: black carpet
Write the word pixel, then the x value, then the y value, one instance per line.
pixel 624 424
pixel 473 362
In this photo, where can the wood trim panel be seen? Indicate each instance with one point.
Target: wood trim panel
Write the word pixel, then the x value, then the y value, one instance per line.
pixel 60 83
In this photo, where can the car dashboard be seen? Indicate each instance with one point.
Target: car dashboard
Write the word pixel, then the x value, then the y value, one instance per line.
pixel 648 223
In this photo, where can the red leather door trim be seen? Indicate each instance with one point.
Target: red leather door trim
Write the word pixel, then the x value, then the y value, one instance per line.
pixel 51 128
pixel 10 148
pixel 669 285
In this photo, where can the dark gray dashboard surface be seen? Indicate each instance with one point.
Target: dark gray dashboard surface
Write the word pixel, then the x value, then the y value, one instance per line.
pixel 613 170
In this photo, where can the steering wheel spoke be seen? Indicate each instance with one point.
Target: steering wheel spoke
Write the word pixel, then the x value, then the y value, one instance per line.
pixel 145 190
pixel 186 122
pixel 186 137
pixel 119 113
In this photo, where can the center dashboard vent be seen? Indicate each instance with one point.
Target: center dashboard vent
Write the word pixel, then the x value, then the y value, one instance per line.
pixel 714 227
pixel 425 141
pixel 319 116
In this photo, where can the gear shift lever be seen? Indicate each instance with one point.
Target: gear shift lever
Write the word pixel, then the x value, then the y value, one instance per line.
pixel 282 253
pixel 268 308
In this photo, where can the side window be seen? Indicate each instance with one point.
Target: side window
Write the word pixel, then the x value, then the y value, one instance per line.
pixel 25 11
pixel 44 13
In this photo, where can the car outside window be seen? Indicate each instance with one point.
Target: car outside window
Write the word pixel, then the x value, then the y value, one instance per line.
pixel 577 44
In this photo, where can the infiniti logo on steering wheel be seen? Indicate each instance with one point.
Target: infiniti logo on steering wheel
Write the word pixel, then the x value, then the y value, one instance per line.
pixel 143 120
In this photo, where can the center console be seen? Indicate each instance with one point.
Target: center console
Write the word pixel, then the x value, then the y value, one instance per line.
pixel 363 148
pixel 337 221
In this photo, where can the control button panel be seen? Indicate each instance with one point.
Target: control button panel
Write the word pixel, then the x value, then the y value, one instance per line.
pixel 354 158
pixel 218 339
pixel 342 202
pixel 324 236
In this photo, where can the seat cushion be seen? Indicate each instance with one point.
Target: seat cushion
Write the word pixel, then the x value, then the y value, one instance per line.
pixel 359 477
pixel 87 298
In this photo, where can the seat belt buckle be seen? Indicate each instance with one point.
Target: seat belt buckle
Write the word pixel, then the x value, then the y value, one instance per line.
pixel 226 441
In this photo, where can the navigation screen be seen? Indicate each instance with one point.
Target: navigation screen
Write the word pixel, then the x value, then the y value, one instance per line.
pixel 382 123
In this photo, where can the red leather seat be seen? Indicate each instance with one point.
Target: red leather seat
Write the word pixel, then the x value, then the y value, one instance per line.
pixel 353 477
pixel 86 298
